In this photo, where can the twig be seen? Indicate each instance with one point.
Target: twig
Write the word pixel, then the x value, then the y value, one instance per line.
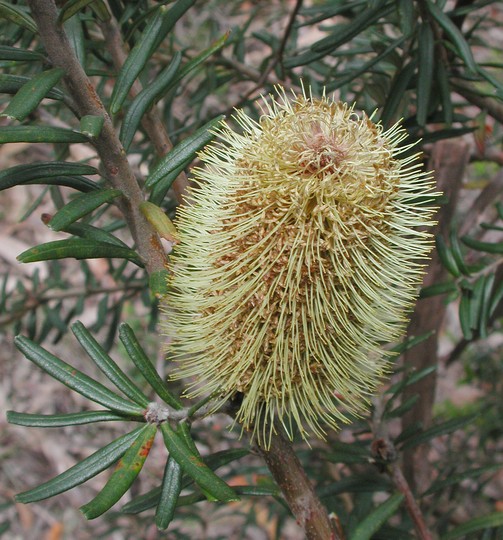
pixel 291 478
pixel 116 167
pixel 151 121
pixel 277 58
pixel 385 455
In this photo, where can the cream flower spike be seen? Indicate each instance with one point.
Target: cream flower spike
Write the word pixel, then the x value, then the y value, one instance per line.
pixel 300 253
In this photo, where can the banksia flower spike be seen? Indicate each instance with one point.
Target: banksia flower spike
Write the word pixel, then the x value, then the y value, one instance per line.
pixel 300 252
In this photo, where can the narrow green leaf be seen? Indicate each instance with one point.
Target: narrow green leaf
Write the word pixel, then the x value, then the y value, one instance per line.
pixel 71 7
pixel 125 473
pixel 453 32
pixel 411 342
pixel 345 32
pixel 485 305
pixel 376 519
pixel 465 315
pixel 457 252
pixel 488 247
pixel 77 248
pixel 147 369
pixel 20 55
pixel 426 63
pixel 158 283
pixel 444 89
pixel 82 471
pixel 11 84
pixel 150 499
pixel 155 31
pixel 91 125
pixel 41 171
pixel 440 429
pixel 201 57
pixel 75 33
pixel 446 256
pixel 75 379
pixel 453 479
pixel 170 491
pixel 438 288
pixel 496 299
pixel 59 420
pixel 158 218
pixel 480 523
pixel 112 371
pixel 183 153
pixel 366 67
pixel 146 98
pixel 406 406
pixel 32 93
pixel 40 134
pixel 83 230
pixel 195 467
pixel 17 15
pixel 396 93
pixel 80 206
pixel 476 302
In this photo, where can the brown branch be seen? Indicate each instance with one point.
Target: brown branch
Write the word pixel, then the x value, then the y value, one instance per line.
pixel 151 121
pixel 298 491
pixel 115 164
pixel 385 454
pixel 472 94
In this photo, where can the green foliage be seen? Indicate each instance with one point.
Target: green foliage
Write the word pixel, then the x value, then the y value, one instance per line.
pixel 176 69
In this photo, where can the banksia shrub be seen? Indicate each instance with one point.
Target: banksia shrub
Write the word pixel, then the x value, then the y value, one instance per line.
pixel 301 250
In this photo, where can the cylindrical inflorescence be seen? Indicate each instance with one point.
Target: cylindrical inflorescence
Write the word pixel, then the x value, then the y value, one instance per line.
pixel 300 252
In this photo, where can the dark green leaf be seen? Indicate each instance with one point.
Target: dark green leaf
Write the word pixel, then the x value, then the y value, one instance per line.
pixel 396 93
pixel 11 84
pixel 345 32
pixel 411 342
pixel 80 206
pixel 108 366
pixel 374 521
pixel 170 491
pixel 465 315
pixel 440 429
pixel 125 473
pixel 195 467
pixel 32 93
pixel 71 7
pixel 17 15
pixel 453 32
pixel 457 252
pixel 183 153
pixel 426 63
pixel 75 33
pixel 91 125
pixel 155 31
pixel 454 479
pixel 83 230
pixel 40 134
pixel 82 471
pixel 147 369
pixel 58 420
pixel 438 288
pixel 39 172
pixel 75 379
pixel 444 89
pixel 146 98
pixel 496 298
pixel 16 54
pixel 480 523
pixel 151 499
pixel 77 248
pixel 488 247
pixel 446 257
pixel 406 406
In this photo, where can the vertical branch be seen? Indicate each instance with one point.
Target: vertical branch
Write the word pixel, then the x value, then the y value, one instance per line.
pixel 298 491
pixel 115 164
pixel 449 159
pixel 151 121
